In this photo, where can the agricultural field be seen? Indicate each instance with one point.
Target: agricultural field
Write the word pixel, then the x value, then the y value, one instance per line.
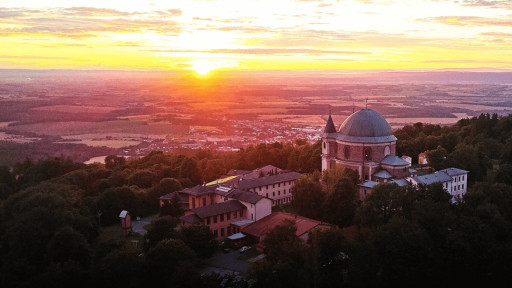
pixel 140 112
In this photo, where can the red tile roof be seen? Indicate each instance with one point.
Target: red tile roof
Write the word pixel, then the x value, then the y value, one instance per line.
pixel 266 224
pixel 191 219
pixel 268 180
pixel 218 208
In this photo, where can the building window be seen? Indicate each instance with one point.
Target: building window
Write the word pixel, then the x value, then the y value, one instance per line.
pixel 208 221
pixel 278 192
pixel 325 145
pixel 267 195
pixel 221 232
pixel 228 216
pixel 234 215
pixel 273 185
pixel 273 194
pixel 260 188
pixel 193 203
pixel 462 186
pixel 221 217
pixel 278 184
pixel 229 230
pixel 214 219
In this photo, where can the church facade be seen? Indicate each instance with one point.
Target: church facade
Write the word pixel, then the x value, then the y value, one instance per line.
pixel 364 142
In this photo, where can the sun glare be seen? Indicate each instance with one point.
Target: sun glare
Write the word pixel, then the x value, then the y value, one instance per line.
pixel 204 67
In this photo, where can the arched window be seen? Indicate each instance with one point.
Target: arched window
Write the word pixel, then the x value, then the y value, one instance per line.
pixel 346 152
pixel 387 151
pixel 367 153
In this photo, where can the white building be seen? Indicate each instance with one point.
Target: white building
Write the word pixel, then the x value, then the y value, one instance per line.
pixel 257 205
pixel 454 180
pixel 276 187
pixel 459 184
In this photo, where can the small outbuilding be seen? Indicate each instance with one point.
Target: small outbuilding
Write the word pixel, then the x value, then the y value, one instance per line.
pixel 236 241
pixel 126 223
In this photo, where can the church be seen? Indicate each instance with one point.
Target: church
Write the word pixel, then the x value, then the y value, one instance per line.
pixel 365 143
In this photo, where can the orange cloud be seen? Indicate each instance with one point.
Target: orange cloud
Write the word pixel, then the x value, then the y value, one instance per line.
pixel 83 22
pixel 470 21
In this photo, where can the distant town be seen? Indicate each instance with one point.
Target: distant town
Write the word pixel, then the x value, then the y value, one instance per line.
pixel 96 114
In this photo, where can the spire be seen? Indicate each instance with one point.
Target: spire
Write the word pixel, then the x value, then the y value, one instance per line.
pixel 329 126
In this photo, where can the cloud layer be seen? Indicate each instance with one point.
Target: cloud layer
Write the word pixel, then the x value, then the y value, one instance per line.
pixel 265 34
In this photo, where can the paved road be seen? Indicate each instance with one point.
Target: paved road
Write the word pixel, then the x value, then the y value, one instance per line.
pixel 226 263
pixel 138 225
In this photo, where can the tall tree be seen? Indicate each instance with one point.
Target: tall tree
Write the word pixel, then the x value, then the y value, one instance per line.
pixel 285 259
pixel 200 239
pixel 161 228
pixel 308 196
pixel 341 203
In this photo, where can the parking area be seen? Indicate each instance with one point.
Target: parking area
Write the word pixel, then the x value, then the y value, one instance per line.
pixel 138 225
pixel 226 263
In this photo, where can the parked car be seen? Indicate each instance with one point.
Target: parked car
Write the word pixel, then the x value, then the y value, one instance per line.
pixel 245 248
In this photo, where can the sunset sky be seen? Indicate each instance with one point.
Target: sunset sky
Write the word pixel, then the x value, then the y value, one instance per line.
pixel 256 35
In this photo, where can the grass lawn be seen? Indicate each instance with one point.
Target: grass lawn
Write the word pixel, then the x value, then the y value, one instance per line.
pixel 283 208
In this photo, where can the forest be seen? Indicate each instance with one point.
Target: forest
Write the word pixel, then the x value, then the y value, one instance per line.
pixel 54 212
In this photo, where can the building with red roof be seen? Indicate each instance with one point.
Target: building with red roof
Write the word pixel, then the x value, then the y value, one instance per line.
pixel 258 230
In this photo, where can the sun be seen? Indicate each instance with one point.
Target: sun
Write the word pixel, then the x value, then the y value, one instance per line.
pixel 203 67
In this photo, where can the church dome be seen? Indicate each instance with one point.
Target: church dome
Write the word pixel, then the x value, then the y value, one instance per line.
pixel 368 125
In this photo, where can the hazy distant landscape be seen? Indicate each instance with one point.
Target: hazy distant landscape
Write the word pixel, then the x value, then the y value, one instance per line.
pixel 132 113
